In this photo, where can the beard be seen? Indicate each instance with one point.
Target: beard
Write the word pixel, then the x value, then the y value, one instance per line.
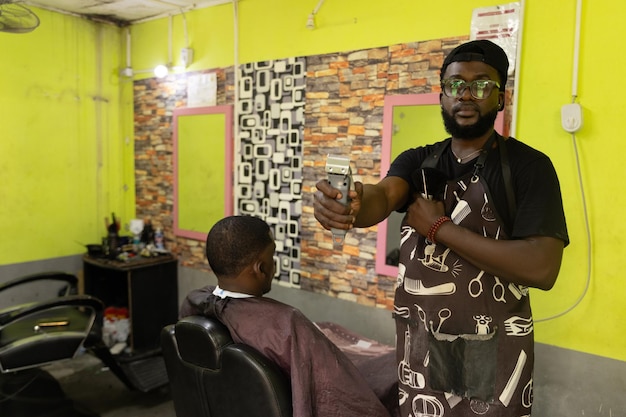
pixel 478 129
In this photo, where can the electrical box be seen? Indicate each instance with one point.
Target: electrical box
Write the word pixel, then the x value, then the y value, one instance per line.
pixel 571 117
pixel 186 56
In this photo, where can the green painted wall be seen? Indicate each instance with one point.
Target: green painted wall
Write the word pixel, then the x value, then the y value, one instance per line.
pixel 56 129
pixel 63 156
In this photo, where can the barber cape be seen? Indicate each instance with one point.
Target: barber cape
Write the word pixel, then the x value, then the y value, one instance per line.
pixel 324 381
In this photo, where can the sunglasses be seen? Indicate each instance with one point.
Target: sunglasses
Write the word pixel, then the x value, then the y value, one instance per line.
pixel 479 89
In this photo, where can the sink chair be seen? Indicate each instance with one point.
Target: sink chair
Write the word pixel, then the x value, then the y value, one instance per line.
pixel 60 325
pixel 37 333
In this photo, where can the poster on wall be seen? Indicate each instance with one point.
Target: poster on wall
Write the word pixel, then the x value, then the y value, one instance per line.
pixel 499 24
pixel 202 90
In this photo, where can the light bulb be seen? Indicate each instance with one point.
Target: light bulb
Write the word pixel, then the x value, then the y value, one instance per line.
pixel 161 71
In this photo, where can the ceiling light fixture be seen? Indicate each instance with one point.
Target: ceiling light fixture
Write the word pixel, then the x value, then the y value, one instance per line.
pixel 161 71
pixel 186 54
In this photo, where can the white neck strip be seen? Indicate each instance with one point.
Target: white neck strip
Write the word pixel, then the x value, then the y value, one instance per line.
pixel 224 293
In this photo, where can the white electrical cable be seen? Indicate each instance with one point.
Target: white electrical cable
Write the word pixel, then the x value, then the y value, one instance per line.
pixel 182 13
pixel 579 4
pixel 589 258
pixel 237 145
pixel 128 47
pixel 516 82
pixel 317 8
pixel 169 43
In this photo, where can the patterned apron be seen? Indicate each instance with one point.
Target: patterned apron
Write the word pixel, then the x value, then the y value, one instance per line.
pixel 464 337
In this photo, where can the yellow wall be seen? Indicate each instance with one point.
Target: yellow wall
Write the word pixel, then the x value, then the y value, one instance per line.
pixel 595 324
pixel 51 126
pixel 63 159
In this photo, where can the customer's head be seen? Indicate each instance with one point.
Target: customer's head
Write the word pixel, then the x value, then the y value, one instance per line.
pixel 240 251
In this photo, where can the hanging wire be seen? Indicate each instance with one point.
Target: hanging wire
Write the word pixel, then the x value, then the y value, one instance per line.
pixel 588 229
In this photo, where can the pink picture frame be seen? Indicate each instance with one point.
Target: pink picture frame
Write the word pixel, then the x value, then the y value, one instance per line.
pixel 227 112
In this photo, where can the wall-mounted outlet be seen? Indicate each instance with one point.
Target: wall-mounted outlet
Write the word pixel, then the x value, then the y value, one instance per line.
pixel 571 117
pixel 186 56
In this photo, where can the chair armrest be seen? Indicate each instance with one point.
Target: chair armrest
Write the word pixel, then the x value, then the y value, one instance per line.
pixel 23 310
pixel 53 275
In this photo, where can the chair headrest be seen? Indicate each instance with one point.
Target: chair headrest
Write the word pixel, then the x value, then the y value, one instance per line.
pixel 201 340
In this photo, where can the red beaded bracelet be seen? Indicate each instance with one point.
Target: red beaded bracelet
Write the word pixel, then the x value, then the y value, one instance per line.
pixel 435 227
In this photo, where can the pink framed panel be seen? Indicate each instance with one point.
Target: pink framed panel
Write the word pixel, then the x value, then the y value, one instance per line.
pixel 227 111
pixel 385 161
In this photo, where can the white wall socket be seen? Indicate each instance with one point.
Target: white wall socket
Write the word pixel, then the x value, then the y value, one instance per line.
pixel 186 56
pixel 571 117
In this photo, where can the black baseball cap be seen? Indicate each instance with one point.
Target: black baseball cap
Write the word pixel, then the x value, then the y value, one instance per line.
pixel 480 50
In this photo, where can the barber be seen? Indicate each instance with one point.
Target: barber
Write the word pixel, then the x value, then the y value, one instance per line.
pixel 484 221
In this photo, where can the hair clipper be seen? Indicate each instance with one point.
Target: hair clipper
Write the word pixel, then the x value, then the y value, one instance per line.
pixel 340 177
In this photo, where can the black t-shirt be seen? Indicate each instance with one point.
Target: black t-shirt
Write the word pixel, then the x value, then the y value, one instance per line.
pixel 539 205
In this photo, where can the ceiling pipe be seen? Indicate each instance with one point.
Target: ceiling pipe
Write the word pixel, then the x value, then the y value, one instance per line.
pixel 579 5
pixel 518 67
pixel 236 145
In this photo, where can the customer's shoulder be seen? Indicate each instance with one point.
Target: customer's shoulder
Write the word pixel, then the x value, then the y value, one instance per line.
pixel 275 313
pixel 272 305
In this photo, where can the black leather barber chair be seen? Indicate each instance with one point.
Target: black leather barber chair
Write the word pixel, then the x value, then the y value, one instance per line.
pixel 59 326
pixel 211 376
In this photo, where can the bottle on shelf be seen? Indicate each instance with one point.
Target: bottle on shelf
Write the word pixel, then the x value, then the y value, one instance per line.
pixel 158 239
pixel 147 234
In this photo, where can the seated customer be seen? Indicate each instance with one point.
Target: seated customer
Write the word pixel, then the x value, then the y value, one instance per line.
pixel 324 382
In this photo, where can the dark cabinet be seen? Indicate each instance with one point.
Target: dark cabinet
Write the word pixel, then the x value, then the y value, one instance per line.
pixel 148 287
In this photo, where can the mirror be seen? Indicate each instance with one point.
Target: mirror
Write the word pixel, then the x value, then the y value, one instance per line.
pixel 409 121
pixel 203 161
